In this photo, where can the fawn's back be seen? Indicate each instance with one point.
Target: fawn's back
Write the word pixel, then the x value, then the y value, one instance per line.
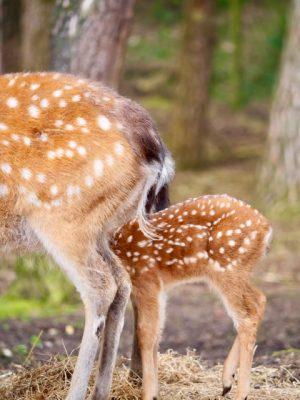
pixel 196 238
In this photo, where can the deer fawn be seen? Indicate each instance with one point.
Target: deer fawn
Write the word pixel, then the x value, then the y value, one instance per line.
pixel 76 161
pixel 216 239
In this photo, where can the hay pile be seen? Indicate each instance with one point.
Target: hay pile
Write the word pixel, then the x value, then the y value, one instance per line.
pixel 181 377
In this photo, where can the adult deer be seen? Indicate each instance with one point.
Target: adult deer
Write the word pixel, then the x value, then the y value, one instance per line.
pixel 215 239
pixel 76 161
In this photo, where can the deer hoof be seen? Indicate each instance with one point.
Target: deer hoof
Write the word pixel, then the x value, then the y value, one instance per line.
pixel 226 389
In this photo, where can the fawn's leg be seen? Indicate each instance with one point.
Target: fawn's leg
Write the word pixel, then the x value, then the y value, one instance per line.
pixel 148 331
pixel 136 369
pixel 230 366
pixel 113 330
pixel 155 358
pixel 253 300
pixel 245 304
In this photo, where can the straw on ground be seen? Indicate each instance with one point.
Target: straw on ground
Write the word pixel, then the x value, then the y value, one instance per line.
pixel 181 377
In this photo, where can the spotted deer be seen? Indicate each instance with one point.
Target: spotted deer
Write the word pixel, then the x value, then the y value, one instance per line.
pixel 215 239
pixel 77 161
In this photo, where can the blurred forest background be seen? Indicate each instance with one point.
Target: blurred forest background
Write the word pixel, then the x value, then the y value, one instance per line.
pixel 222 80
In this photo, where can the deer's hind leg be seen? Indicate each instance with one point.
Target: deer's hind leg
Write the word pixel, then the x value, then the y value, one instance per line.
pixel 245 305
pixel 254 301
pixel 92 277
pixel 113 329
pixel 230 366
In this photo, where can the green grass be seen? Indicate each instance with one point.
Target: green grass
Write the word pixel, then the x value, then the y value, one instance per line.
pixel 39 289
pixel 28 308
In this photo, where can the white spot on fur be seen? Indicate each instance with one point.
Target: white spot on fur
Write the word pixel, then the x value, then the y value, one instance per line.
pixel 69 153
pixel 247 241
pixel 34 86
pixel 98 167
pixel 81 150
pixel 80 121
pixel 76 98
pixel 44 137
pixel 57 93
pixel 59 152
pixel 58 123
pixel 41 178
pixel 142 243
pixel 54 190
pixel 109 160
pixel 12 102
pixel 72 144
pixel 62 103
pixel 119 149
pixel 3 190
pixel 44 103
pixel 89 181
pixel 69 127
pixel 51 155
pixel 33 111
pixel 26 174
pixel 26 141
pixel 104 123
pixel 6 168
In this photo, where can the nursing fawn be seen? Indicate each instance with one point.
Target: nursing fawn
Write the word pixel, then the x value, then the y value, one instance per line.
pixel 76 161
pixel 215 239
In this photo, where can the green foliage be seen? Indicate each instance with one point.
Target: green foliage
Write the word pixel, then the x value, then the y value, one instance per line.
pixel 157 40
pixel 36 341
pixel 39 279
pixel 154 47
pixel 166 12
pixel 21 350
pixel 264 27
pixel 40 288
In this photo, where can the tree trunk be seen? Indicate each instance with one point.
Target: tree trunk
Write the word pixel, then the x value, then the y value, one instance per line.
pixel 190 122
pixel 281 172
pixel 236 73
pixel 64 32
pixel 11 35
pixel 92 36
pixel 35 38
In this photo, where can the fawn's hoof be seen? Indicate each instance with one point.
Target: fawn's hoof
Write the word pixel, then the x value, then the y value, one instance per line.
pixel 226 389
